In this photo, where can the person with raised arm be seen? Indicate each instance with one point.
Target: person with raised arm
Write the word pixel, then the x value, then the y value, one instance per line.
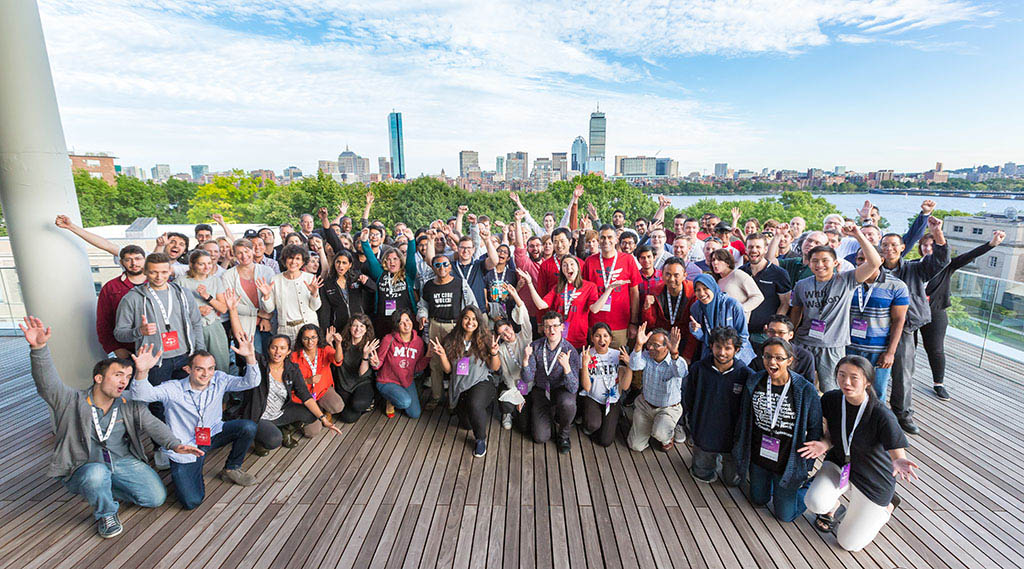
pixel 243 279
pixel 396 281
pixel 552 366
pixel 915 274
pixel 820 304
pixel 870 216
pixel 401 355
pixel 773 283
pixel 621 308
pixel 778 432
pixel 511 349
pixel 346 292
pixel 658 409
pixel 530 221
pixel 294 294
pixel 353 379
pixel 877 314
pixel 933 334
pixel 604 376
pixel 208 292
pixel 98 434
pixel 438 312
pixel 317 353
pixel 713 309
pixel 667 305
pixel 469 353
pixel 194 413
pixel 865 462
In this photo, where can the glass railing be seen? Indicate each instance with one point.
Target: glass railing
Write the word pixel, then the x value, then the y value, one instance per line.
pixel 12 305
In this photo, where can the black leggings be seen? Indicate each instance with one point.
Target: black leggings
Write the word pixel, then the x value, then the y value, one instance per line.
pixel 356 402
pixel 520 419
pixel 474 408
pixel 600 426
pixel 933 336
pixel 268 433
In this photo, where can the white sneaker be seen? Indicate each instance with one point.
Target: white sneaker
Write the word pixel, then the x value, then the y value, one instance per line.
pixel 161 461
pixel 506 421
pixel 679 436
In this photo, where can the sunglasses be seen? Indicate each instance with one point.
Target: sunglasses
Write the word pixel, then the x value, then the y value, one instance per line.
pixel 442 265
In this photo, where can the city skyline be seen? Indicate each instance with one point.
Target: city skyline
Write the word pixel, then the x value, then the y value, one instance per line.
pixel 898 85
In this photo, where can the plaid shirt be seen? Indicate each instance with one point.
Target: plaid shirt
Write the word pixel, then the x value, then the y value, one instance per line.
pixel 663 381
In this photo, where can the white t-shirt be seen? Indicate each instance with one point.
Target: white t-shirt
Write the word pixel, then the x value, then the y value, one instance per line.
pixel 604 377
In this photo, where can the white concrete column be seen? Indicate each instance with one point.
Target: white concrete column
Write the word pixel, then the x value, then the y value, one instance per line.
pixel 35 185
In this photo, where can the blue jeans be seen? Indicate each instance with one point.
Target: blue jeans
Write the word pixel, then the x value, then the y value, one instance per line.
pixel 188 476
pixel 882 374
pixel 131 481
pixel 404 398
pixel 764 486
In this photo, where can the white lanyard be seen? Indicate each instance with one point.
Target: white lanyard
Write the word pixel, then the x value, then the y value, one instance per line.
pixel 607 276
pixel 468 344
pixel 672 312
pixel 164 311
pixel 862 298
pixel 201 406
pixel 312 363
pixel 110 426
pixel 464 276
pixel 848 441
pixel 567 298
pixel 778 406
pixel 548 367
pixel 499 279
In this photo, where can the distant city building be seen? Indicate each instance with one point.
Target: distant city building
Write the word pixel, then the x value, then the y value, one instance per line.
pixel 598 138
pixel 292 173
pixel 134 172
pixel 499 164
pixel 839 170
pixel 721 170
pixel 384 167
pixel 98 165
pixel 183 176
pixel 1005 261
pixel 646 166
pixel 198 171
pixel 579 155
pixel 559 166
pixel 264 174
pixel 469 161
pixel 327 167
pixel 1010 169
pixel 516 165
pixel 397 141
pixel 351 163
pixel 937 175
pixel 667 167
pixel 617 164
pixel 161 172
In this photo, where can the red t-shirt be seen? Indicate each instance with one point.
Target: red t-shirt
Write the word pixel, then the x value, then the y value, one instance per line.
pixel 548 277
pixel 577 319
pixel 601 271
pixel 324 379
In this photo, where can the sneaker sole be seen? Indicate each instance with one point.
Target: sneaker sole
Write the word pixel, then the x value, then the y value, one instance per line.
pixel 110 535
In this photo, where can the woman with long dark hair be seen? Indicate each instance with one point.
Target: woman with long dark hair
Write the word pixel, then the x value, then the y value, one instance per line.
pixel 866 453
pixel 315 354
pixel 401 355
pixel 353 379
pixel 396 280
pixel 345 292
pixel 604 376
pixel 469 353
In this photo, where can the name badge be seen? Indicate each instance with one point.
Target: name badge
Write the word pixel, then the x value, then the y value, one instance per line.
pixel 390 306
pixel 770 448
pixel 169 340
pixel 462 368
pixel 522 387
pixel 607 305
pixel 106 456
pixel 844 477
pixel 859 328
pixel 565 331
pixel 203 436
pixel 817 330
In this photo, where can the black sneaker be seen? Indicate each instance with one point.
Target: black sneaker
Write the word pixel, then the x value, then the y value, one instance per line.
pixel 941 393
pixel 909 426
pixel 109 526
pixel 481 448
pixel 563 445
pixel 707 480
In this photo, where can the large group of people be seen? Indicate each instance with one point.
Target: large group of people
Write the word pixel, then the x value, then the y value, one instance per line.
pixel 762 347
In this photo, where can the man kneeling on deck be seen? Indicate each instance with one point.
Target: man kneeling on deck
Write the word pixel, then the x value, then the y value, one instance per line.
pixel 99 434
pixel 659 407
pixel 194 409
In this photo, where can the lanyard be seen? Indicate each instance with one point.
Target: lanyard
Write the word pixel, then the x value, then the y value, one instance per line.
pixel 567 298
pixel 862 298
pixel 468 344
pixel 672 312
pixel 164 311
pixel 96 423
pixel 778 406
pixel 549 367
pixel 201 406
pixel 497 278
pixel 607 276
pixel 848 441
pixel 466 276
pixel 312 363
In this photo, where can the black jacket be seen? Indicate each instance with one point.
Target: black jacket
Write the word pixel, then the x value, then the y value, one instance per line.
pixel 254 401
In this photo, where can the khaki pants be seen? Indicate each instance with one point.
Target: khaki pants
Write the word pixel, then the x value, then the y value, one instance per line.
pixel 649 421
pixel 437 330
pixel 330 403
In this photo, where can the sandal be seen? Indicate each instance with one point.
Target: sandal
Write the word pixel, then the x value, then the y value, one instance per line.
pixel 389 410
pixel 824 523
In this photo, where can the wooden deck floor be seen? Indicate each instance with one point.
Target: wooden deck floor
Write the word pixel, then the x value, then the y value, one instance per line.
pixel 403 493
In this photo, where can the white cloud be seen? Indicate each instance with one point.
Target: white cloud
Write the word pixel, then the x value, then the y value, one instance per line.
pixel 270 83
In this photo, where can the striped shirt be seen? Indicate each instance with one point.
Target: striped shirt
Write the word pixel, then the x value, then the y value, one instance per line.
pixel 869 326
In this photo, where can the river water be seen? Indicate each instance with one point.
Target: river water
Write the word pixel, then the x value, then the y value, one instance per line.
pixel 894 208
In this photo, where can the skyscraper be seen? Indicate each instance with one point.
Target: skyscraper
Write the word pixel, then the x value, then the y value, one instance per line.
pixel 598 132
pixel 351 163
pixel 384 166
pixel 579 155
pixel 517 166
pixel 499 164
pixel 161 172
pixel 559 166
pixel 397 139
pixel 721 170
pixel 469 161
pixel 198 171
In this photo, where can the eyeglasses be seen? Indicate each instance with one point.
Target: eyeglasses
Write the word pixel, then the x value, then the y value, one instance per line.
pixel 552 326
pixel 442 265
pixel 310 339
pixel 768 358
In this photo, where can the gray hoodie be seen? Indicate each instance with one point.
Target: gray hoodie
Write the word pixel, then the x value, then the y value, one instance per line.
pixel 139 301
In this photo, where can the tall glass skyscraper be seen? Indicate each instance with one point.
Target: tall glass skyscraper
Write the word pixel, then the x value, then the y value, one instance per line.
pixel 579 155
pixel 397 145
pixel 598 126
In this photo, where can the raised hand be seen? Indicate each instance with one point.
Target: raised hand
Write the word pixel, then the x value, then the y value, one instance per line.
pixel 850 229
pixel 525 276
pixel 927 207
pixel 934 224
pixel 591 210
pixel 231 298
pixel 997 237
pixel 321 213
pixel 577 192
pixel 620 282
pixel 471 218
pixel 641 335
pixel 463 209
pixel 36 333
pixel 586 356
pixel 515 198
pixel 331 335
pixel 363 279
pixel 663 201
pixel 314 286
pixel 369 199
pixel 245 348
pixel 264 287
pixel 904 469
pixel 527 353
pixel 437 348
pixel 315 244
pixel 865 212
pixel 494 345
pixel 783 228
pixel 187 449
pixel 147 328
pixel 673 340
pixel 624 356
pixel 371 347
pixel 63 222
pixel 343 208
pixel 735 215
pixel 145 359
pixel 484 232
pixel 519 215
pixel 364 235
pixel 218 218
pixel 161 241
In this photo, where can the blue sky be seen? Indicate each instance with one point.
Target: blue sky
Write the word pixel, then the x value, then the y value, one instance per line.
pixel 868 84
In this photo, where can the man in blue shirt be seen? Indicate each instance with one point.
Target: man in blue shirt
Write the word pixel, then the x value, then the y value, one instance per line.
pixel 193 409
pixel 658 409
pixel 877 316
